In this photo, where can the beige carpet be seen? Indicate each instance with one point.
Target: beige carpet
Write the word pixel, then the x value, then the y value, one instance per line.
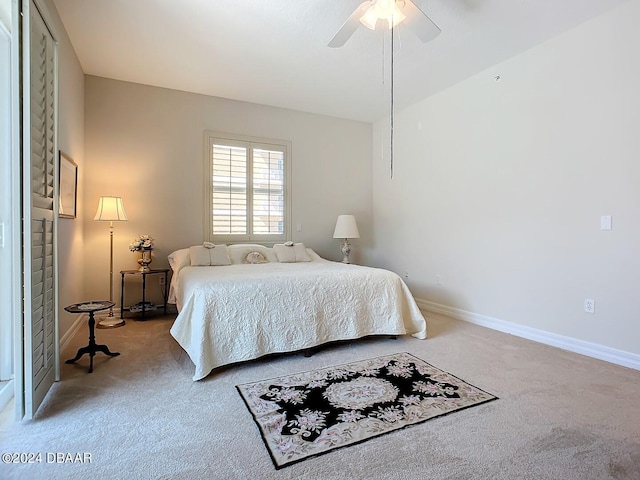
pixel 139 415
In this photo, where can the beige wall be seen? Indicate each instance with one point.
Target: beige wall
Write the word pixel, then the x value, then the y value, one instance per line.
pixel 146 144
pixel 500 185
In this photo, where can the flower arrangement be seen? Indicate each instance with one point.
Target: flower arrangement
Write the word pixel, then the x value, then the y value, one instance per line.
pixel 143 242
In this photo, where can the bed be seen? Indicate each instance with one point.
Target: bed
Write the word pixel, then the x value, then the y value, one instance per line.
pixel 230 310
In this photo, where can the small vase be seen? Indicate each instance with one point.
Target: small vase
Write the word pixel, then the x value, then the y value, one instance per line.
pixel 144 260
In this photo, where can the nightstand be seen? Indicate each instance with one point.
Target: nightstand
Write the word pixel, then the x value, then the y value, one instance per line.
pixel 143 309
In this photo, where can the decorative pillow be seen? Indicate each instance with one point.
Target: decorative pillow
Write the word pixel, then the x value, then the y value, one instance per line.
pixel 291 252
pixel 238 252
pixel 255 257
pixel 209 254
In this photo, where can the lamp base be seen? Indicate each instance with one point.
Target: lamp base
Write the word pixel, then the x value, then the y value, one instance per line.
pixel 346 251
pixel 110 322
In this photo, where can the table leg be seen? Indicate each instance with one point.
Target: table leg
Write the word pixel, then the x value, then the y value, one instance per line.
pixel 92 348
pixel 144 299
pixel 104 349
pixel 122 297
pixel 81 352
pixel 165 294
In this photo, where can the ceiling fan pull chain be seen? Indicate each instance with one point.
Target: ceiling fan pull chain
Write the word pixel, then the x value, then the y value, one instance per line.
pixel 391 121
pixel 384 60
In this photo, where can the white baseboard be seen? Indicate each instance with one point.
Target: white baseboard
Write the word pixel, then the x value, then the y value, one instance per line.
pixel 66 338
pixel 6 393
pixel 612 355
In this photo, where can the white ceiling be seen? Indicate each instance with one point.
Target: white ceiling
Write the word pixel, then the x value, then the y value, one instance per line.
pixel 274 52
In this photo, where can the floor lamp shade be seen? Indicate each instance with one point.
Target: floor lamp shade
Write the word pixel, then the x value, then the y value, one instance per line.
pixel 110 209
pixel 346 227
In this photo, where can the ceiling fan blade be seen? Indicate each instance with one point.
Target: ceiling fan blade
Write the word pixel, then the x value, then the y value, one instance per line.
pixel 420 22
pixel 350 26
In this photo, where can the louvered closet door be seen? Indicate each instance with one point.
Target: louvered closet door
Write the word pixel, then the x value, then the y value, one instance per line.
pixel 40 333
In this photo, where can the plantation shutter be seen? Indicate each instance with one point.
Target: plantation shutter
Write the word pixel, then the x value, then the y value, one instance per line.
pixel 268 192
pixel 229 190
pixel 39 163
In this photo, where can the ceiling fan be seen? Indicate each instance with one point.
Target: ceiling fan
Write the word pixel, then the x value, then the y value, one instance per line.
pixel 394 12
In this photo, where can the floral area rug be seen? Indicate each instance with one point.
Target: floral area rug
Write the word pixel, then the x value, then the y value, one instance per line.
pixel 311 413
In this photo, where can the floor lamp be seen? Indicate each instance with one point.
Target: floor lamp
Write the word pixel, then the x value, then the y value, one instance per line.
pixel 110 209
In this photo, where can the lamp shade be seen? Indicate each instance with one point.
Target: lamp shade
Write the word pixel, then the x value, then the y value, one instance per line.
pixel 346 227
pixel 110 209
pixel 369 19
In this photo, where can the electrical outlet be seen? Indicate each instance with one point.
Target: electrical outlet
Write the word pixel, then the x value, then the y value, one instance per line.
pixel 161 281
pixel 438 280
pixel 589 305
pixel 406 275
pixel 605 222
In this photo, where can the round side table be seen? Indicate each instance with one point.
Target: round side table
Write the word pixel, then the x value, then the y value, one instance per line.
pixel 92 348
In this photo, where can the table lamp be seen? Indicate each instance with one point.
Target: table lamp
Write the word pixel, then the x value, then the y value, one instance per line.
pixel 346 228
pixel 110 209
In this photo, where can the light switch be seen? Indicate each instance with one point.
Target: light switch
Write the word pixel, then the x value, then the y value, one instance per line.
pixel 605 222
pixel 299 227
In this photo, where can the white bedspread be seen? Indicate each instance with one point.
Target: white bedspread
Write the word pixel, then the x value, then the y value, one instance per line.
pixel 241 312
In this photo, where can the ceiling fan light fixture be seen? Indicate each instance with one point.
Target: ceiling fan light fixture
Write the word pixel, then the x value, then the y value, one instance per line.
pixel 394 12
pixel 370 17
pixel 396 17
pixel 384 10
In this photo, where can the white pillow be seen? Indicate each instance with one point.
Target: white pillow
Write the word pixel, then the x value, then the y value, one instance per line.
pixel 238 253
pixel 178 260
pixel 291 252
pixel 313 255
pixel 209 254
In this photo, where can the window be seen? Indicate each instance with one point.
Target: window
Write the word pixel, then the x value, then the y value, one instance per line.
pixel 247 188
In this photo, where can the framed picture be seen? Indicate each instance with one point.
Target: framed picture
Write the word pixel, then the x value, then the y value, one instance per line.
pixel 68 191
